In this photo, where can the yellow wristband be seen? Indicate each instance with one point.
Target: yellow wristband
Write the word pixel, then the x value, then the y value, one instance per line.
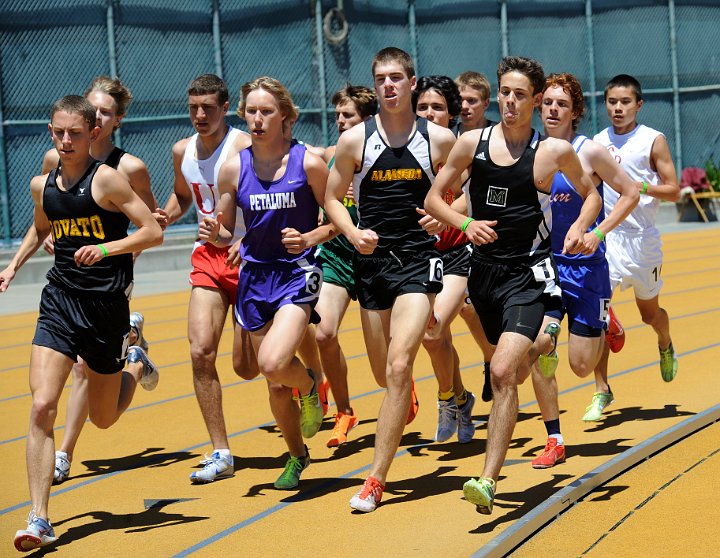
pixel 644 188
pixel 103 250
pixel 465 224
pixel 599 233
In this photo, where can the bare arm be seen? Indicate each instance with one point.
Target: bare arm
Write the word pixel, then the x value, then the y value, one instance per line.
pixel 610 172
pixel 181 198
pixel 50 161
pixel 112 192
pixel 661 161
pixel 38 231
pixel 341 175
pixel 136 173
pixel 570 165
pixel 459 159
pixel 219 231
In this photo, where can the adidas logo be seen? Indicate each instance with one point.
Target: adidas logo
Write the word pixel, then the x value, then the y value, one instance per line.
pixel 481 156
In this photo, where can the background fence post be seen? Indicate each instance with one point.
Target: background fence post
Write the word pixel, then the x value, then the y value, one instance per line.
pixel 217 44
pixel 675 86
pixel 319 56
pixel 4 182
pixel 112 55
pixel 504 28
pixel 591 62
pixel 413 35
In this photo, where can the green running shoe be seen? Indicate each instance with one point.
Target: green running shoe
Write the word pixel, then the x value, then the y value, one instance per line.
pixel 548 363
pixel 668 363
pixel 594 411
pixel 311 411
pixel 290 477
pixel 480 492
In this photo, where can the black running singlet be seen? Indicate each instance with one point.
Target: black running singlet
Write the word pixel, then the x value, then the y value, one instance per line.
pixel 391 184
pixel 75 221
pixel 113 160
pixel 508 194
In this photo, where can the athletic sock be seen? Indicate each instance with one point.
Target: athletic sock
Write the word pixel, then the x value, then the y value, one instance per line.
pixel 462 398
pixel 559 438
pixel 446 395
pixel 552 426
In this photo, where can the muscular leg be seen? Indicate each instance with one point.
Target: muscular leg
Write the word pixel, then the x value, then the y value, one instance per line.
pixel 584 353
pixel 244 359
pixel 409 318
pixel 309 353
pixel 512 348
pixel 376 332
pixel 77 409
pixel 332 306
pixel 438 339
pixel 48 372
pixel 657 318
pixel 206 319
pixel 601 371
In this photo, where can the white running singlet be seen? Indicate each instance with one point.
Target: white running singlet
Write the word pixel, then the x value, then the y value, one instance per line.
pixel 201 177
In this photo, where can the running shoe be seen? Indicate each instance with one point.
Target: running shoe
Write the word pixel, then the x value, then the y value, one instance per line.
pixel 594 411
pixel 548 363
pixel 480 492
pixel 344 423
pixel 487 394
pixel 553 454
pixel 311 412
pixel 369 496
pixel 62 467
pixel 668 363
pixel 323 394
pixel 448 419
pixel 615 335
pixel 151 373
pixel 290 477
pixel 215 467
pixel 137 322
pixel 414 405
pixel 38 533
pixel 466 426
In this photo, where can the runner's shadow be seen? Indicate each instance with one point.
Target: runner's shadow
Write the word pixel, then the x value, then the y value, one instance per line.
pixel 145 458
pixel 626 414
pixel 146 520
pixel 519 503
pixel 611 447
pixel 431 484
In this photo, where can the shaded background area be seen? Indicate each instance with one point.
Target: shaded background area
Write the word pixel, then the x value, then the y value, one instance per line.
pixel 50 48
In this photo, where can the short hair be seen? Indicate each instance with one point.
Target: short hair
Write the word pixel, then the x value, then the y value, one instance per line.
pixel 209 84
pixel 75 104
pixel 572 87
pixel 528 67
pixel 476 80
pixel 624 80
pixel 394 54
pixel 443 85
pixel 362 97
pixel 115 88
pixel 277 90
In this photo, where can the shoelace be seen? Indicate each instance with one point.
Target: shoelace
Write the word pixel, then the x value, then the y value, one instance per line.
pixel 294 466
pixel 371 487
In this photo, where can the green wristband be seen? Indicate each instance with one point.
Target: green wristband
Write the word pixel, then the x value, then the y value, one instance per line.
pixel 599 233
pixel 644 188
pixel 103 250
pixel 465 224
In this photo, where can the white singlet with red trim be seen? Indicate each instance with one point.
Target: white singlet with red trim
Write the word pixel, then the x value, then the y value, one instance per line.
pixel 632 152
pixel 201 177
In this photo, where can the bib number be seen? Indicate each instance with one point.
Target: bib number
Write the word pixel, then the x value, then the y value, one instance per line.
pixel 604 309
pixel 436 270
pixel 313 281
pixel 543 271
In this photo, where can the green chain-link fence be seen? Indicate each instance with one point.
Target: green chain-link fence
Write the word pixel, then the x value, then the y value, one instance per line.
pixel 51 48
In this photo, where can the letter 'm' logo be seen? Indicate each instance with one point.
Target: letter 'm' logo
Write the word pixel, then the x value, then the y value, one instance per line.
pixel 497 196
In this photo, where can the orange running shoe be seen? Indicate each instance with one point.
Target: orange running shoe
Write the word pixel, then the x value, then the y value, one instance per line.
pixel 553 454
pixel 414 405
pixel 343 424
pixel 615 335
pixel 323 393
pixel 369 496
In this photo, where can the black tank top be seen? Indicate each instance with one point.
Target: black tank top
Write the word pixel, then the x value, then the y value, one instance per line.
pixel 391 184
pixel 508 195
pixel 113 160
pixel 75 221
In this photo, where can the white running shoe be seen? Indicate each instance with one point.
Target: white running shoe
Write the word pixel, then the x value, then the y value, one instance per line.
pixel 151 374
pixel 39 533
pixel 448 417
pixel 137 322
pixel 216 467
pixel 62 467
